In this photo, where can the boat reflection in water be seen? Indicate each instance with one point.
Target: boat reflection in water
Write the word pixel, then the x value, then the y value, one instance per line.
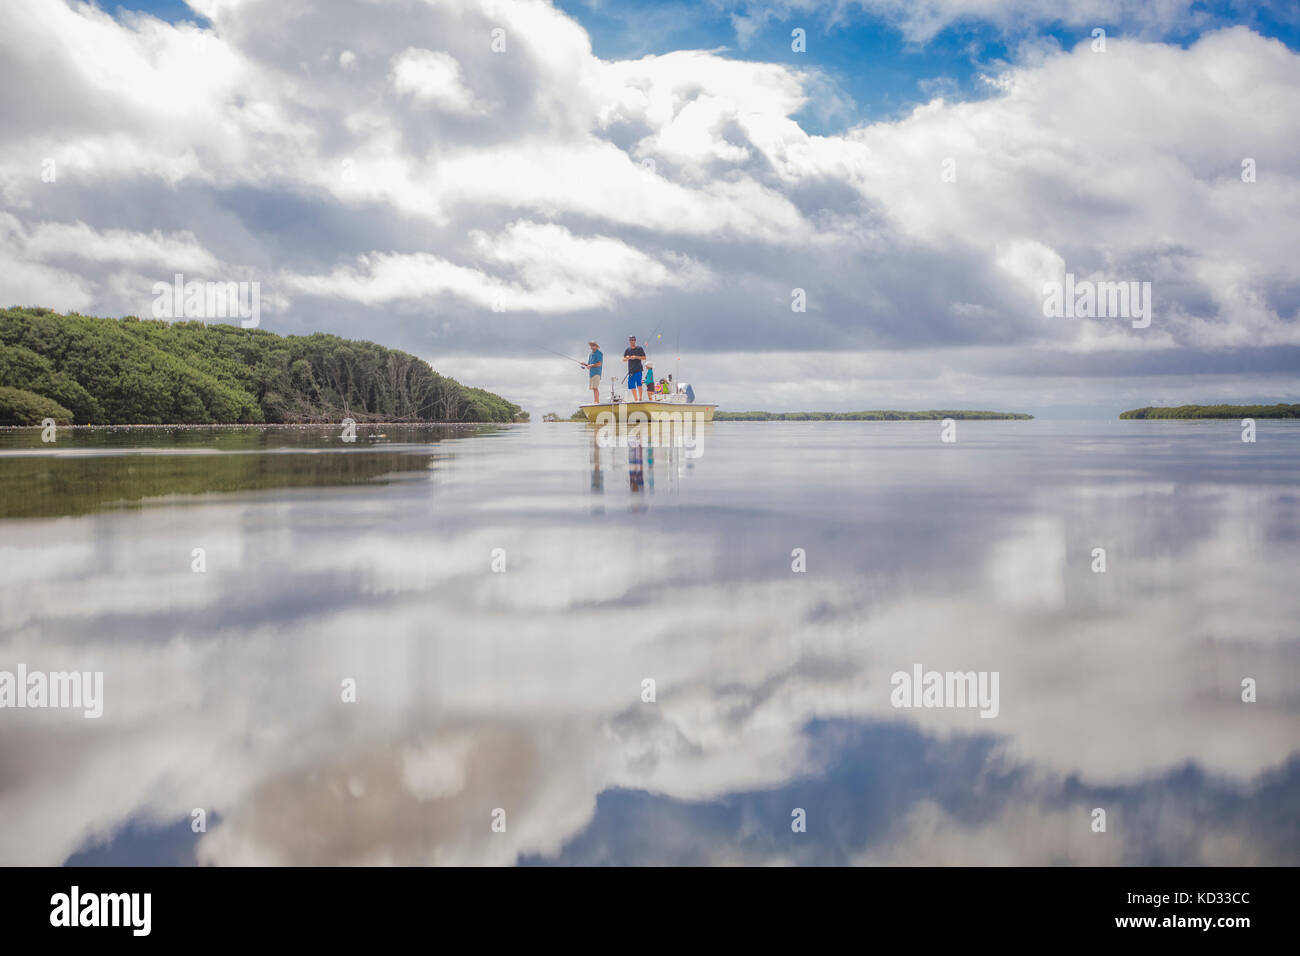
pixel 663 432
pixel 677 445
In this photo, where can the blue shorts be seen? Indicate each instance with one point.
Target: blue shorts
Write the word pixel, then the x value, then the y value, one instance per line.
pixel 634 379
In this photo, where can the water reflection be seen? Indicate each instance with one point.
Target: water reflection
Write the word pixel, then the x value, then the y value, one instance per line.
pixel 87 470
pixel 525 690
pixel 635 468
pixel 597 474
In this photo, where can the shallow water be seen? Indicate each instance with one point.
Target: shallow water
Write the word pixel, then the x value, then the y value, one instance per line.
pixel 501 596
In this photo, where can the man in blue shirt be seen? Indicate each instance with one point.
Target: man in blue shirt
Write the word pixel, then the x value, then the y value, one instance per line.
pixel 593 365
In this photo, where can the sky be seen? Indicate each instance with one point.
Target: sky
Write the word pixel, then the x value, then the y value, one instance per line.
pixel 916 175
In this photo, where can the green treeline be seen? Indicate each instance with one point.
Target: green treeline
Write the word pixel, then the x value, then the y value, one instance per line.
pixel 86 370
pixel 1216 411
pixel 21 407
pixel 879 416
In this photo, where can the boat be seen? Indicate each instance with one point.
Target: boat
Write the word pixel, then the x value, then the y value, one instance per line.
pixel 632 413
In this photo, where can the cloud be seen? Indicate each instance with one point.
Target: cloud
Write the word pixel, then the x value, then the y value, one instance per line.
pixel 78 241
pixel 547 269
pixel 433 78
pixel 405 192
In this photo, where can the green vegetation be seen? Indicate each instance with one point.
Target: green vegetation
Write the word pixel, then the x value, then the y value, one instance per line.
pixel 151 372
pixel 1216 411
pixel 880 416
pixel 27 408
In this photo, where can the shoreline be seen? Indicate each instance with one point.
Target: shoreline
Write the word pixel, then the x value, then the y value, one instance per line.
pixel 281 425
pixel 882 415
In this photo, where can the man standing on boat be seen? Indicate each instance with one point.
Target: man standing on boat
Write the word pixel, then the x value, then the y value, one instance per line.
pixel 593 365
pixel 633 355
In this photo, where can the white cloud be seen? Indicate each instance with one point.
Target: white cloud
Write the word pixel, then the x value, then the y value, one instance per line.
pixel 555 182
pixel 431 78
pixel 545 269
pixel 78 241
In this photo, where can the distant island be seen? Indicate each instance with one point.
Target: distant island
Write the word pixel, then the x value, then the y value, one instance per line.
pixel 1215 411
pixel 878 416
pixel 79 369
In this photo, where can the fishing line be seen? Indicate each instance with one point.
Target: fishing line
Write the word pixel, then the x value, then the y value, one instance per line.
pixel 560 354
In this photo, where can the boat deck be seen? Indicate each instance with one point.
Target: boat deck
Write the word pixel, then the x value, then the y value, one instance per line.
pixel 632 413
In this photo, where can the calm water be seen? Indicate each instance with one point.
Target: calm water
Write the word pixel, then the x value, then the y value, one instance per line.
pixel 521 690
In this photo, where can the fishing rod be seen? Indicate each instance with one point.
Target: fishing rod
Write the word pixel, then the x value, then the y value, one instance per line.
pixel 677 382
pixel 560 354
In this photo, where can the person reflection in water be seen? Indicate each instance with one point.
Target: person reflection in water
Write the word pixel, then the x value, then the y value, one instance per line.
pixel 597 477
pixel 635 472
